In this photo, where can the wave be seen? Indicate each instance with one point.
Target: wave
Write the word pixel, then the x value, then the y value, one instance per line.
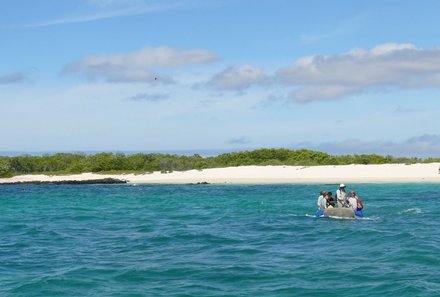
pixel 412 211
pixel 369 218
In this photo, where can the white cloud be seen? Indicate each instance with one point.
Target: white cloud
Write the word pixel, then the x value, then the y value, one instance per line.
pixel 385 66
pixel 307 94
pixel 137 66
pixel 237 78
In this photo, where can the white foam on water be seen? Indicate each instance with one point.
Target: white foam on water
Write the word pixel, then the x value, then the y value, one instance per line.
pixel 332 217
pixel 412 211
pixel 368 218
pixel 344 218
pixel 341 218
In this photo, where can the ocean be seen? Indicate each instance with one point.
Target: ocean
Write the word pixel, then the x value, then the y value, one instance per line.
pixel 216 240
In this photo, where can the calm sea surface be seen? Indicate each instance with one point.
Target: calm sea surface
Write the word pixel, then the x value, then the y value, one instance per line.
pixel 209 240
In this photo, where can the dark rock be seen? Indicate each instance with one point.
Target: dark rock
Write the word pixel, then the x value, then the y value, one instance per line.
pixel 71 182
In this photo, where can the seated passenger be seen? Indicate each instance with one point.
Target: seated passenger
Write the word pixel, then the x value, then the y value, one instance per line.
pixel 330 200
pixel 352 201
pixel 359 207
pixel 322 201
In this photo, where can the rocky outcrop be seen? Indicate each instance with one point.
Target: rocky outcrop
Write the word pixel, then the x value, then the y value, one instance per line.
pixel 71 182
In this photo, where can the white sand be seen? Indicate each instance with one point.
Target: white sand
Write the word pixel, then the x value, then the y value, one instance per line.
pixel 388 173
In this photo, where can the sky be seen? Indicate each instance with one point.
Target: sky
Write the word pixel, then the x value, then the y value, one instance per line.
pixel 342 77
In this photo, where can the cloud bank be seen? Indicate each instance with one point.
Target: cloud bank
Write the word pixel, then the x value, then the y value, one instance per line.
pixel 386 66
pixel 382 68
pixel 237 78
pixel 137 66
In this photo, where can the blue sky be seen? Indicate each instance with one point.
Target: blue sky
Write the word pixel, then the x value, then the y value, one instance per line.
pixel 141 75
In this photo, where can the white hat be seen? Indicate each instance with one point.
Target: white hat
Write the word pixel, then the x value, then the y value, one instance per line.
pixel 342 186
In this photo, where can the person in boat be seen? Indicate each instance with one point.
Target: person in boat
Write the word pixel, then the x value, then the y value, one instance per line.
pixel 341 196
pixel 322 201
pixel 359 205
pixel 352 201
pixel 330 200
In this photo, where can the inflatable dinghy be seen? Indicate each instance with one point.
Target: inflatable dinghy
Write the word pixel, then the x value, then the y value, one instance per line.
pixel 338 212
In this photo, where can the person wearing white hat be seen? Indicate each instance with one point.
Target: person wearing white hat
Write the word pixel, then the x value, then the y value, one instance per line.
pixel 341 196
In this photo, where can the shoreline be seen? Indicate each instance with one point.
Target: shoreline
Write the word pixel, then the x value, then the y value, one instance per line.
pixel 383 173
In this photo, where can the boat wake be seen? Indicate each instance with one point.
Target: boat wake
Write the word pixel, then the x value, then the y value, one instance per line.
pixel 331 217
pixel 343 218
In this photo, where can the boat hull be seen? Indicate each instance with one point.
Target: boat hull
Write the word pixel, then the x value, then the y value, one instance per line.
pixel 339 212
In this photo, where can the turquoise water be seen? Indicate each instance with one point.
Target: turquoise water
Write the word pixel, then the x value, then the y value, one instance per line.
pixel 208 240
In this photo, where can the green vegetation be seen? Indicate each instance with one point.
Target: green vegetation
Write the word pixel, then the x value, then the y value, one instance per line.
pixel 66 163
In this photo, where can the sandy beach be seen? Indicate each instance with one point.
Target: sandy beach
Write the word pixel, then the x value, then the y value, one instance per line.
pixel 387 173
